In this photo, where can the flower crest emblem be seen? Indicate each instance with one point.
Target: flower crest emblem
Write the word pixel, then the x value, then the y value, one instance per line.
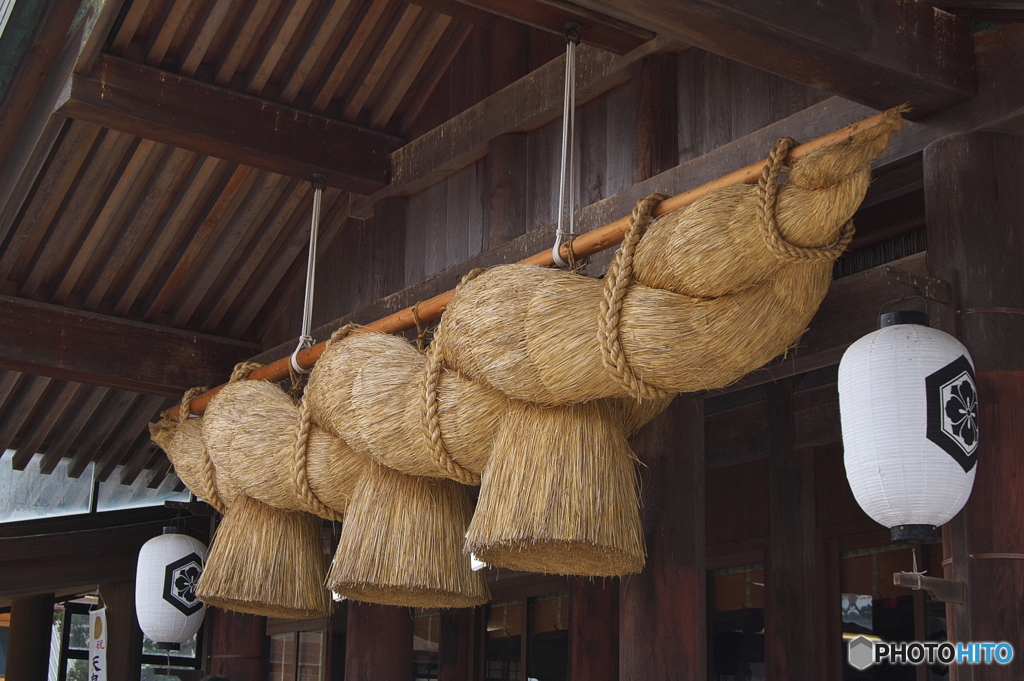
pixel 952 411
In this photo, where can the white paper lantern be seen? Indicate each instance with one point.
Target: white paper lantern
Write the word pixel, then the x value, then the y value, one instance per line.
pixel 909 411
pixel 165 587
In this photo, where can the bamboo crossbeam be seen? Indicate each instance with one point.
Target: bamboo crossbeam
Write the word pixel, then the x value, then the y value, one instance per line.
pixel 584 245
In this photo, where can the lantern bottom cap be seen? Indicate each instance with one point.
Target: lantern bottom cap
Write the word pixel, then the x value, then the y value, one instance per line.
pixel 169 646
pixel 926 534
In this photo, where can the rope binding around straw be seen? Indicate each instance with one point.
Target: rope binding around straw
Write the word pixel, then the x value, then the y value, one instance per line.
pixel 616 282
pixel 767 199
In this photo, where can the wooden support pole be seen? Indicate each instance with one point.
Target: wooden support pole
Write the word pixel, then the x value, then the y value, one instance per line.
pixel 584 245
pixel 238 644
pixel 663 610
pixel 456 644
pixel 379 646
pixel 594 630
pixel 28 648
pixel 974 198
pixel 791 640
pixel 124 637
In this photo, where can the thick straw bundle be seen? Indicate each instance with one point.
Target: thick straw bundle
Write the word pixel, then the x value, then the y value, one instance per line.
pixel 554 338
pixel 265 561
pixel 182 440
pixel 559 494
pixel 367 388
pixel 402 544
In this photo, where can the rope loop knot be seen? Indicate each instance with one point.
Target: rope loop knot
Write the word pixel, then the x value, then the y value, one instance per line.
pixel 767 204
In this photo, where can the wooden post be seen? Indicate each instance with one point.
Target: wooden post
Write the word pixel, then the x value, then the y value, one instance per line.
pixel 594 630
pixel 337 626
pixel 28 648
pixel 456 644
pixel 124 637
pixel 790 628
pixel 379 646
pixel 238 648
pixel 974 196
pixel 663 610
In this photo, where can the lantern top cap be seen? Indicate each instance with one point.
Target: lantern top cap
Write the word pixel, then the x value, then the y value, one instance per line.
pixel 172 529
pixel 902 317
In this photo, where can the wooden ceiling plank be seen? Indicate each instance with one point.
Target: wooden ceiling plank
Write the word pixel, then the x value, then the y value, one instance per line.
pixel 135 458
pixel 56 182
pixel 82 411
pixel 116 407
pixel 160 471
pixel 323 39
pixel 392 47
pixel 179 111
pixel 168 28
pixel 367 25
pixel 133 428
pixel 158 198
pixel 56 410
pixel 211 23
pixel 919 55
pixel 129 26
pixel 418 96
pixel 102 231
pixel 275 48
pixel 407 72
pixel 203 180
pixel 202 241
pixel 298 193
pixel 243 227
pixel 240 43
pixel 599 29
pixel 100 350
pixel 8 381
pixel 293 279
pixel 64 234
pixel 28 396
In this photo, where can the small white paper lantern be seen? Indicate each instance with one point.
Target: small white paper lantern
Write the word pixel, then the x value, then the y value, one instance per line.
pixel 909 411
pixel 165 587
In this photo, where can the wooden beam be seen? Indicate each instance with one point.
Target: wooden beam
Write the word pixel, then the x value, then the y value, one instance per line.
pixel 527 104
pixel 179 111
pixel 596 28
pixel 85 347
pixel 983 10
pixel 921 55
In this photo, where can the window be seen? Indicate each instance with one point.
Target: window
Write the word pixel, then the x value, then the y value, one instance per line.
pixel 297 656
pixel 736 629
pixel 425 643
pixel 545 651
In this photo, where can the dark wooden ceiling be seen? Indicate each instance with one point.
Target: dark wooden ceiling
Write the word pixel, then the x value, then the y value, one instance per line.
pixel 155 191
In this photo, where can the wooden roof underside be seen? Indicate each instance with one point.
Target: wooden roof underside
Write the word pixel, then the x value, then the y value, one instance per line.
pixel 157 157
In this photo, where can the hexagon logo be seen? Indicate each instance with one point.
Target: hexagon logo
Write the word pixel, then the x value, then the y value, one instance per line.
pixel 953 411
pixel 180 578
pixel 861 653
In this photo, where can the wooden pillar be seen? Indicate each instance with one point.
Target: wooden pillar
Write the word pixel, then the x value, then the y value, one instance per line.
pixel 124 637
pixel 663 610
pixel 28 645
pixel 594 630
pixel 791 632
pixel 238 644
pixel 456 644
pixel 974 194
pixel 379 646
pixel 337 630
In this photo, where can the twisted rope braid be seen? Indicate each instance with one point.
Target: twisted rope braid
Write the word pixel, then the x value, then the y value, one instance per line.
pixel 616 283
pixel 208 474
pixel 767 202
pixel 300 458
pixel 429 417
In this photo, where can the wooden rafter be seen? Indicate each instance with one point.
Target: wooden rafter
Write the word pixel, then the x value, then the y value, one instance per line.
pixel 90 348
pixel 922 55
pixel 208 119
